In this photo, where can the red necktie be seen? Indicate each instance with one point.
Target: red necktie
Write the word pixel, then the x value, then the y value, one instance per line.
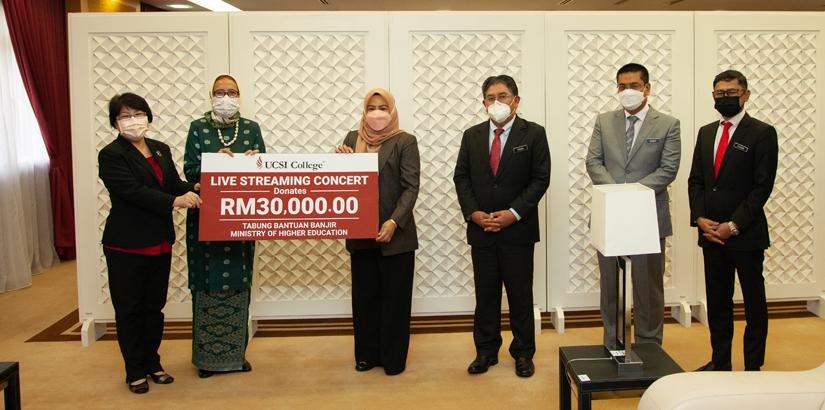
pixel 495 151
pixel 723 145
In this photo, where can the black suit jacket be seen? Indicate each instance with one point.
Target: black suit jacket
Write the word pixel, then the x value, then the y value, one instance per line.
pixel 522 179
pixel 399 169
pixel 141 213
pixel 744 183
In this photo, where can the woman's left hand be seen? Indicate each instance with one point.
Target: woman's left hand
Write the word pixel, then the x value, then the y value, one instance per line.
pixel 198 186
pixel 251 152
pixel 385 234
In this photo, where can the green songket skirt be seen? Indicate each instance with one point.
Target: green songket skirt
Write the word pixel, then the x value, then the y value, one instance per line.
pixel 219 329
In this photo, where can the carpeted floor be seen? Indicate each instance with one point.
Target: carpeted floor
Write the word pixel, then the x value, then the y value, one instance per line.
pixel 317 372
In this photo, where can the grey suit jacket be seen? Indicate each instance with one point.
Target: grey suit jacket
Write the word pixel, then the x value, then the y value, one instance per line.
pixel 653 161
pixel 399 169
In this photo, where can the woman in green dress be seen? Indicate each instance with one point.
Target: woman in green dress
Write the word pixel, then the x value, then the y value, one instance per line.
pixel 220 272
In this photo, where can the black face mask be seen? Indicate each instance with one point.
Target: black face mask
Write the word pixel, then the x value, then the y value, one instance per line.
pixel 727 106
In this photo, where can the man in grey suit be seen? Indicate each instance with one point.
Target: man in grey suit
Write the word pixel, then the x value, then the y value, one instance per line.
pixel 636 144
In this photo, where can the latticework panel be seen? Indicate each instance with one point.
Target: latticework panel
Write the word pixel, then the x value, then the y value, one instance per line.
pixel 308 90
pixel 781 72
pixel 593 60
pixel 169 71
pixel 447 72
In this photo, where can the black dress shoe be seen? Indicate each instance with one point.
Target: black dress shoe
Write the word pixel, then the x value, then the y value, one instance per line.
pixel 711 367
pixel 363 366
pixel 246 367
pixel 525 367
pixel 481 364
pixel 139 388
pixel 203 374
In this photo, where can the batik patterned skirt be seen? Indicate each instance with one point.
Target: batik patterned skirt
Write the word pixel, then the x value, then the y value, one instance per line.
pixel 219 329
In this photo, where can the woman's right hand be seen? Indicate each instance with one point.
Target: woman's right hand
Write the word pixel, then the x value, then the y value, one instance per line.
pixel 343 149
pixel 188 200
pixel 226 151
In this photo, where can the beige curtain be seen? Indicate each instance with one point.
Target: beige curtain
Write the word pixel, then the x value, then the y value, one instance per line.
pixel 26 233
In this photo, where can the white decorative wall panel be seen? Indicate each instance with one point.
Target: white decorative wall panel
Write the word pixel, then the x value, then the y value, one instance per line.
pixel 309 92
pixel 170 73
pixel 781 68
pixel 304 76
pixel 168 59
pixel 447 72
pixel 593 58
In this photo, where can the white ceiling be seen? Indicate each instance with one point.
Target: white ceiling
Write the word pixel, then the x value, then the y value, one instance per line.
pixel 459 5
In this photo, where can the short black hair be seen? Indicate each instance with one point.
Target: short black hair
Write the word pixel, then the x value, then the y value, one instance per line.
pixel 731 75
pixel 130 100
pixel 634 68
pixel 499 79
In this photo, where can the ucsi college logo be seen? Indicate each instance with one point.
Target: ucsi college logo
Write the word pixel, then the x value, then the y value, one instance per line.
pixel 271 164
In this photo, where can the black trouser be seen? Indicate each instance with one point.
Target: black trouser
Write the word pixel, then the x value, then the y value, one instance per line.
pixel 513 266
pixel 138 286
pixel 720 264
pixel 381 307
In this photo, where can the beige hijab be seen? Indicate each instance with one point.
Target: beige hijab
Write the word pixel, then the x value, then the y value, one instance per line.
pixel 370 140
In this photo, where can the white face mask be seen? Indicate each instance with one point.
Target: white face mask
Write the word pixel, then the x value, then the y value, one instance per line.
pixel 498 111
pixel 226 106
pixel 631 99
pixel 133 128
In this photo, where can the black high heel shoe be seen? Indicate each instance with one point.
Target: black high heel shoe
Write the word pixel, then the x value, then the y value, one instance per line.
pixel 139 388
pixel 164 378
pixel 203 374
pixel 246 367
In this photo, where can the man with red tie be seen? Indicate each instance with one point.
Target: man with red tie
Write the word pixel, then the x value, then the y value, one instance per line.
pixel 731 179
pixel 502 171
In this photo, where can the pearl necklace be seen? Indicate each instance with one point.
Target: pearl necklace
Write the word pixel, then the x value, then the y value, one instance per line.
pixel 226 144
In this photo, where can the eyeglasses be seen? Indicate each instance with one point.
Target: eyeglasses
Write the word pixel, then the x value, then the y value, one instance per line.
pixel 221 93
pixel 138 115
pixel 731 92
pixel 501 97
pixel 633 86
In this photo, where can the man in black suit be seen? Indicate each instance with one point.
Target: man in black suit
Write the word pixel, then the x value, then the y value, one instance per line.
pixel 734 167
pixel 502 171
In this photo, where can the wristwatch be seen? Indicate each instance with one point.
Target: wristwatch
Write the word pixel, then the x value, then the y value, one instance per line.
pixel 733 229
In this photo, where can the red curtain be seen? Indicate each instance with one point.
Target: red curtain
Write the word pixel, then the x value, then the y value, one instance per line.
pixel 38 36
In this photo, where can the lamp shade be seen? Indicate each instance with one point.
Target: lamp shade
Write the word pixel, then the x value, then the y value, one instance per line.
pixel 623 220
